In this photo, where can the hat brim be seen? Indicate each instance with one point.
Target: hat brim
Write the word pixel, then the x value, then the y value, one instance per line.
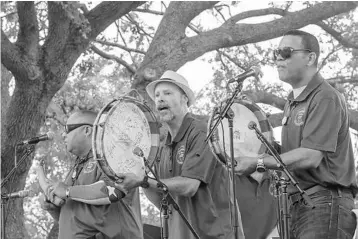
pixel 189 93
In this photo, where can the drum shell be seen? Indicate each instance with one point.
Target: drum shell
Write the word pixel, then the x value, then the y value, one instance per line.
pixel 245 140
pixel 121 126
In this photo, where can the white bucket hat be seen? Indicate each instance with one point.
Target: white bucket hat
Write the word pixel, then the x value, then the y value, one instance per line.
pixel 175 78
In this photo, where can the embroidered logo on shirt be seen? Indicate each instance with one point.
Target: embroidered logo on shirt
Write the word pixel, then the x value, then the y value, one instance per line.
pixel 180 154
pixel 89 167
pixel 298 120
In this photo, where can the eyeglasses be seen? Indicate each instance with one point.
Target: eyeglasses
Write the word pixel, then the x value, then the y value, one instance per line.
pixel 70 127
pixel 286 52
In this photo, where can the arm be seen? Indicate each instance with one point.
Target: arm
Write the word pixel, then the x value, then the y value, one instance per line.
pixel 152 193
pixel 182 186
pixel 319 136
pixel 301 158
pixel 51 208
pixel 98 193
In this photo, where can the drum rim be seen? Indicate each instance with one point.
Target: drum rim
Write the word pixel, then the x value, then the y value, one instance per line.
pixel 100 157
pixel 243 101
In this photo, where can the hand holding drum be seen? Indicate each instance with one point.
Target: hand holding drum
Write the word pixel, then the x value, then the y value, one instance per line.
pixel 45 184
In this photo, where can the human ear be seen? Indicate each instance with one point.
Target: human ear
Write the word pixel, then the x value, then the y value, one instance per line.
pixel 186 99
pixel 311 58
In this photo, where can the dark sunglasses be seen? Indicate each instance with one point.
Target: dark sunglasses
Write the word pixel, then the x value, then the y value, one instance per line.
pixel 70 127
pixel 286 52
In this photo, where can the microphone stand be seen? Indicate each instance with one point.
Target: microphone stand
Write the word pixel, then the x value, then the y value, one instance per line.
pixel 282 184
pixel 167 199
pixel 228 113
pixel 29 150
pixel 4 198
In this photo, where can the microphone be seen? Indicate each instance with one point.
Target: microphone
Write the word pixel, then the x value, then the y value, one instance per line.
pixel 254 71
pixel 252 125
pixel 20 194
pixel 35 140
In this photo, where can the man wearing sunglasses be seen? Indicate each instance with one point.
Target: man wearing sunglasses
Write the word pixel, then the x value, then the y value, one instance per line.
pixel 94 208
pixel 316 144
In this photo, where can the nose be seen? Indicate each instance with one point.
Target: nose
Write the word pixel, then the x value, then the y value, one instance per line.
pixel 278 57
pixel 64 135
pixel 159 98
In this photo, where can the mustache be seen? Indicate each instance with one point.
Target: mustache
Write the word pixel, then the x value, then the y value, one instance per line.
pixel 162 106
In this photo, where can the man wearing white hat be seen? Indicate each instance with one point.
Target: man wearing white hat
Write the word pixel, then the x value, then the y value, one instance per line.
pixel 197 181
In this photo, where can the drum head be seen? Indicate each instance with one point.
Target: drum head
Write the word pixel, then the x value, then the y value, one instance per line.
pixel 245 140
pixel 122 126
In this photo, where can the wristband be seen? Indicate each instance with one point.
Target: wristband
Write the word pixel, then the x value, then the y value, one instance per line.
pixel 260 166
pixel 144 183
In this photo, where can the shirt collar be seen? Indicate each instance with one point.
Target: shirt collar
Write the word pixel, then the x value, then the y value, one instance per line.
pixel 317 80
pixel 188 118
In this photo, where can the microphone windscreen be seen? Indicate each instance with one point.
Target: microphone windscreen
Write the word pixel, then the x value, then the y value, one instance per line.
pixel 50 135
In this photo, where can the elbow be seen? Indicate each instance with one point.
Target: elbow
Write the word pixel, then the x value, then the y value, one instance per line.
pixel 313 159
pixel 315 163
pixel 190 191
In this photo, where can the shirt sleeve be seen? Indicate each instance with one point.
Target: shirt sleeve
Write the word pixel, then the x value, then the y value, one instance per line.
pixel 99 193
pixel 199 161
pixel 322 126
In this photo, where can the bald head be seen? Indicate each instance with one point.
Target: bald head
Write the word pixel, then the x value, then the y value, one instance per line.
pixel 82 116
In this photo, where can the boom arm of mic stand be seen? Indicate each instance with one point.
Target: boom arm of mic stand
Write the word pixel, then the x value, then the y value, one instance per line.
pixel 29 151
pixel 282 166
pixel 168 198
pixel 223 113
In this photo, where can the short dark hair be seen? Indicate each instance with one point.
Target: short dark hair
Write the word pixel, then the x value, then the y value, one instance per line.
pixel 309 41
pixel 87 116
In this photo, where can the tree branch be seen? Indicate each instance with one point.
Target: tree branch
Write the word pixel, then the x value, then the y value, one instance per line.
pixel 266 98
pixel 323 62
pixel 233 60
pixel 338 36
pixel 218 8
pixel 28 35
pixel 255 13
pixel 58 36
pixel 130 19
pixel 149 11
pixel 342 80
pixel 16 62
pixel 240 34
pixel 113 57
pixel 188 11
pixel 120 46
pixel 114 10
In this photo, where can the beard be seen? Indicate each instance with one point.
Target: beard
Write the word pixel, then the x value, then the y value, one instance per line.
pixel 166 116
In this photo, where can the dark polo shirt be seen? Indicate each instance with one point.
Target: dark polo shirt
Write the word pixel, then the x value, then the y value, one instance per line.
pixel 187 155
pixel 121 219
pixel 318 119
pixel 258 207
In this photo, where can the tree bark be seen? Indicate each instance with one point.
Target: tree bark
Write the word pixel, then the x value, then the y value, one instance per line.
pixel 40 71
